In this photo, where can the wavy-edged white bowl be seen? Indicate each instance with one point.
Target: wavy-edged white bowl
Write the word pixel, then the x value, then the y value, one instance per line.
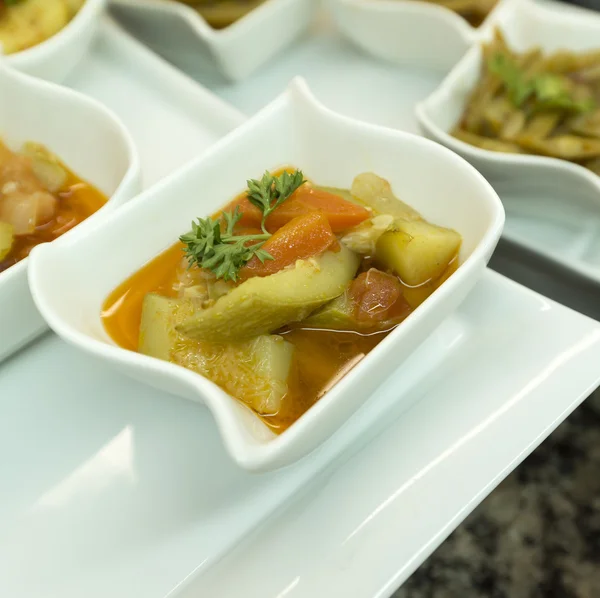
pixel 90 141
pixel 56 57
pixel 331 149
pixel 525 24
pixel 178 32
pixel 410 32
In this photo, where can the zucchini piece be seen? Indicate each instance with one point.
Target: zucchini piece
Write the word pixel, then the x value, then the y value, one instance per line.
pixel 255 372
pixel 417 251
pixel 376 193
pixel 335 315
pixel 262 305
pixel 6 239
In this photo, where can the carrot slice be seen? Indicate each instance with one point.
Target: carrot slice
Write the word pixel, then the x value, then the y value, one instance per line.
pixel 340 213
pixel 303 237
pixel 377 297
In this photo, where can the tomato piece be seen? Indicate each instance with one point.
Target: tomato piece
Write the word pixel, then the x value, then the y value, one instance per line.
pixel 377 297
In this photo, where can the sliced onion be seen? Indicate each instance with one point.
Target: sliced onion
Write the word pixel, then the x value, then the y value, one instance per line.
pixel 25 211
pixel 20 211
pixel 46 167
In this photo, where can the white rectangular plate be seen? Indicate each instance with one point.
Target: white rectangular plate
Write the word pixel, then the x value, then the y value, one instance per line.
pixel 110 488
pixel 560 229
pixel 170 117
pixel 364 528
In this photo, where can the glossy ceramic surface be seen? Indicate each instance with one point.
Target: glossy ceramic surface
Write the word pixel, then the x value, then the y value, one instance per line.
pixel 176 30
pixel 107 158
pixel 283 133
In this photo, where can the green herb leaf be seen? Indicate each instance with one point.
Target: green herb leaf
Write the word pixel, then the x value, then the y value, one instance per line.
pixel 221 251
pixel 213 245
pixel 271 191
pixel 517 87
pixel 548 91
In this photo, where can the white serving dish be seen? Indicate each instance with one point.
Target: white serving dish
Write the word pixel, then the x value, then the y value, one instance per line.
pixel 56 57
pixel 174 29
pixel 527 24
pixel 90 140
pixel 133 493
pixel 284 133
pixel 409 32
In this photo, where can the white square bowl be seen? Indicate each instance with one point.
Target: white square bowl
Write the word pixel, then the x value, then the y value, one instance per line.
pixel 409 32
pixel 178 32
pixel 525 24
pixel 56 57
pixel 90 141
pixel 71 280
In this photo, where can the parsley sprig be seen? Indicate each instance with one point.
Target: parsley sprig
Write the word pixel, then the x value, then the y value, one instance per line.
pixel 213 244
pixel 271 191
pixel 547 90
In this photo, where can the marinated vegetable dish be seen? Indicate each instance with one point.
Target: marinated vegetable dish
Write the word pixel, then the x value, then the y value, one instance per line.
pixel 281 293
pixel 473 11
pixel 40 199
pixel 26 23
pixel 221 13
pixel 534 104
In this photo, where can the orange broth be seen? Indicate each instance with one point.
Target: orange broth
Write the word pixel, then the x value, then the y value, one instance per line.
pixel 320 357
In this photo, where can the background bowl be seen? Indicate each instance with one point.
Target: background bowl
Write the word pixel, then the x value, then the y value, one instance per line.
pixel 409 32
pixel 90 141
pixel 56 57
pixel 181 35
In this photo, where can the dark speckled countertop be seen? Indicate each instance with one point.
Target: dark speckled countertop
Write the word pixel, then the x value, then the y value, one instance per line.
pixel 537 535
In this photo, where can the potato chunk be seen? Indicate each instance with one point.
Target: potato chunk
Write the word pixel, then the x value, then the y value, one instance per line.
pixel 254 371
pixel 417 251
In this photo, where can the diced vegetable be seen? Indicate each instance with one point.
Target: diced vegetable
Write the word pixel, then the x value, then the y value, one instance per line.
pixel 255 371
pixel 364 237
pixel 6 239
pixel 373 301
pixel 335 315
pixel 25 211
pixel 46 167
pixel 377 297
pixel 25 24
pixel 157 327
pixel 417 251
pixel 262 305
pixel 301 238
pixel 376 193
pixel 343 193
pixel 340 213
